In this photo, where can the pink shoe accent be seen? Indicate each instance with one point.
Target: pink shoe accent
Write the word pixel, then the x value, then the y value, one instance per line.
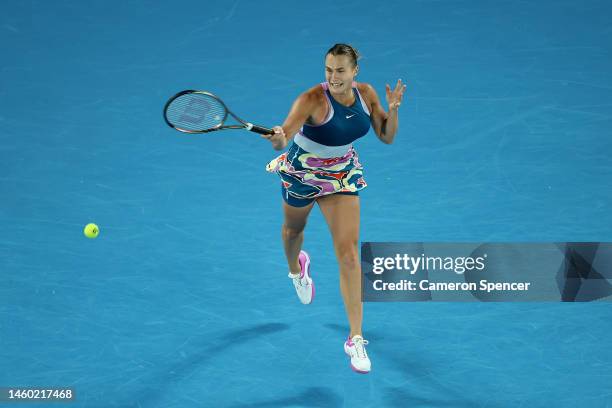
pixel 304 261
pixel 349 342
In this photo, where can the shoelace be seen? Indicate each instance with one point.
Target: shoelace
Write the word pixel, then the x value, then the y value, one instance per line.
pixel 360 348
pixel 298 280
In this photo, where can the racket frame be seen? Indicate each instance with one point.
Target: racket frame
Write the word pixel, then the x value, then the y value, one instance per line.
pixel 220 126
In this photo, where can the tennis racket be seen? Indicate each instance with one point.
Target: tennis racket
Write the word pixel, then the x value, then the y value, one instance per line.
pixel 202 112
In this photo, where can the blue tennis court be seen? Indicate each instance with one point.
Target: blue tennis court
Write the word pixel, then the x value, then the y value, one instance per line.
pixel 184 301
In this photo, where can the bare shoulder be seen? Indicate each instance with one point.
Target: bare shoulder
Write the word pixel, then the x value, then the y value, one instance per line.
pixel 366 90
pixel 315 94
pixel 310 98
pixel 314 99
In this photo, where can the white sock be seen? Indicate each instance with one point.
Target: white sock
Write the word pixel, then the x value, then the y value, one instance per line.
pixel 294 275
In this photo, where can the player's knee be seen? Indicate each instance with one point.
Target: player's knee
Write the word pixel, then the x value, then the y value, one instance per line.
pixel 348 255
pixel 292 232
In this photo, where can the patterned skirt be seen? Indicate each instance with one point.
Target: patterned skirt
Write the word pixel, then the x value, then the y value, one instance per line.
pixel 306 176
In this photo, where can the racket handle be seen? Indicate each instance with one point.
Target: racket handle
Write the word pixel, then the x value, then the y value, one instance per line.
pixel 259 129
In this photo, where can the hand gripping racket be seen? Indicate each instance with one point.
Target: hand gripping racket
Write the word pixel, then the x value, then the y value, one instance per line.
pixel 202 112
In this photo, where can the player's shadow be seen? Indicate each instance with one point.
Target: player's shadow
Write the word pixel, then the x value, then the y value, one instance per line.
pixel 211 348
pixel 311 397
pixel 338 328
pixel 422 387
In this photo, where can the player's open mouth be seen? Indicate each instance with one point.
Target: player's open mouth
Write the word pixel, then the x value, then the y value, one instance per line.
pixel 336 84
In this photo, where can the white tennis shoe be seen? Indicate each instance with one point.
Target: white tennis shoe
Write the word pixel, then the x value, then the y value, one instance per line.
pixel 304 285
pixel 355 348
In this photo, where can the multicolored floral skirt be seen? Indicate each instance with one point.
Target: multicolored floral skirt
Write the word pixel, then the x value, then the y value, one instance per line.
pixel 306 177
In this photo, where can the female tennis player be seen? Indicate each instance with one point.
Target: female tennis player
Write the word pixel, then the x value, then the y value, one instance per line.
pixel 322 166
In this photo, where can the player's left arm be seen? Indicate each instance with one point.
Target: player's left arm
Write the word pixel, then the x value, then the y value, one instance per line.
pixel 385 123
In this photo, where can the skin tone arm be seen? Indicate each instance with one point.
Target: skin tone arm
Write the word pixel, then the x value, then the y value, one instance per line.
pixel 303 108
pixel 385 123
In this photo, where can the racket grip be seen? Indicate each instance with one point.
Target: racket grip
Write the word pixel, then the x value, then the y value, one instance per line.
pixel 259 129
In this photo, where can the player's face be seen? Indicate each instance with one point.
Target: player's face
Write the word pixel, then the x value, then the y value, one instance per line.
pixel 339 73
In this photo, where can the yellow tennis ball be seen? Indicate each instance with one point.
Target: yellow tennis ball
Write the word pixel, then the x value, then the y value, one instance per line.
pixel 91 230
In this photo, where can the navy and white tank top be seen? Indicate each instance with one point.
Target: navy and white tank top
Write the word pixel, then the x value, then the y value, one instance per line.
pixel 342 126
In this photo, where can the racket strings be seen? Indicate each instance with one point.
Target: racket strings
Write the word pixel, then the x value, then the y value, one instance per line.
pixel 195 112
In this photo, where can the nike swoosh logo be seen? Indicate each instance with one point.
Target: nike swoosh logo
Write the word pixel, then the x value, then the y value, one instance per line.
pixel 350 116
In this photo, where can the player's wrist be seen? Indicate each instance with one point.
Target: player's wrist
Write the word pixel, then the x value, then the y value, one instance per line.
pixel 280 144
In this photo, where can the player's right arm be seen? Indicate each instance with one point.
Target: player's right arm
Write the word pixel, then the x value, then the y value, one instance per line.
pixel 303 109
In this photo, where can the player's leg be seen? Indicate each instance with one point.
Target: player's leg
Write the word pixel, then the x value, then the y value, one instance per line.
pixel 341 212
pixel 342 215
pixel 296 213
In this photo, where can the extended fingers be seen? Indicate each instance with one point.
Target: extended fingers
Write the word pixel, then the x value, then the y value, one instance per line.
pixel 400 87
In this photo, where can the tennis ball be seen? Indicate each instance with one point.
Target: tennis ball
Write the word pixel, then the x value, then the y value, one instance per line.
pixel 91 230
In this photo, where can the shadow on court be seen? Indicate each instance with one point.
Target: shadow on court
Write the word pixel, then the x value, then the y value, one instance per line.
pixel 310 397
pixel 338 328
pixel 420 386
pixel 210 348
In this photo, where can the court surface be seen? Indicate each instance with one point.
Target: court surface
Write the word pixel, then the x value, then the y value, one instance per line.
pixel 183 299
